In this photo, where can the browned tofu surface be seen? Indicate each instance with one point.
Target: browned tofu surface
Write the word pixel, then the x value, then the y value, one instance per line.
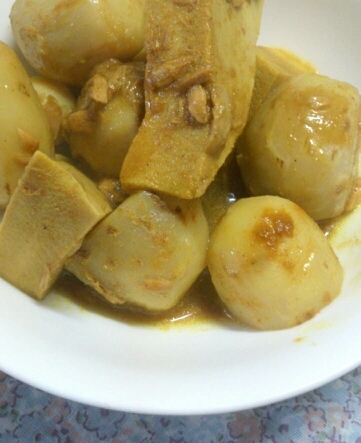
pixel 199 80
pixel 50 212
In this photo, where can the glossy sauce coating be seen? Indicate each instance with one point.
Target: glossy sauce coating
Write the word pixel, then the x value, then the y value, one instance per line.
pixel 201 305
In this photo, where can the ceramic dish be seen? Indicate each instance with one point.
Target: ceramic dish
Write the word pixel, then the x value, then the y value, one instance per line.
pixel 86 357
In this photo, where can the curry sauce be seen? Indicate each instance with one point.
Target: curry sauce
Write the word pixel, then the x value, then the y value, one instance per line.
pixel 199 306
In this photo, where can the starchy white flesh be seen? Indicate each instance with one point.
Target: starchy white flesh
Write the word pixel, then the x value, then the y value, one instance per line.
pixel 58 102
pixel 303 144
pixel 271 264
pixel 49 214
pixel 24 127
pixel 64 40
pixel 198 86
pixel 107 117
pixel 147 253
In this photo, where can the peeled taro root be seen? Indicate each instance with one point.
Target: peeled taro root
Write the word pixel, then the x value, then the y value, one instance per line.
pixel 271 264
pixel 303 144
pixel 24 126
pixel 147 253
pixel 58 102
pixel 64 40
pixel 107 116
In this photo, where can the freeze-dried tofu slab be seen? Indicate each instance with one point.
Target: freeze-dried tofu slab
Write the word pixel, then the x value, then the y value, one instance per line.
pixel 273 66
pixel 199 80
pixel 50 212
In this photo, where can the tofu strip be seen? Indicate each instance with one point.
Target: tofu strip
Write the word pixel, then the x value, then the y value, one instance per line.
pixel 199 81
pixel 49 214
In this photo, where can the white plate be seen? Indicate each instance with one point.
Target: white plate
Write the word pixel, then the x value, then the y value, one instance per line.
pixel 99 361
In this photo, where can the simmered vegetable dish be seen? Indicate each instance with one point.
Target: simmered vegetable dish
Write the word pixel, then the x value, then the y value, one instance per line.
pixel 158 143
